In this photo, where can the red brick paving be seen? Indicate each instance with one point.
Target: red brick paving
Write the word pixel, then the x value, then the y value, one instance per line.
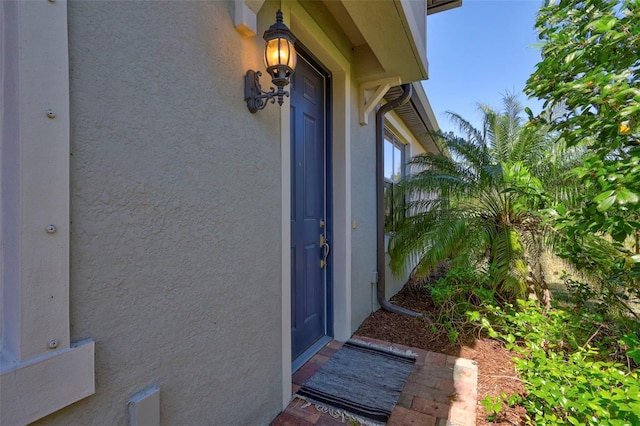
pixel 286 419
pixel 441 390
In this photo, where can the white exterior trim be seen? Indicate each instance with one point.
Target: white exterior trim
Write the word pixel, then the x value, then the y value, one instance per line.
pixel 244 19
pixel 46 384
pixel 397 127
pixel 313 37
pixel 37 359
pixel 245 16
pixel 368 101
pixel 418 39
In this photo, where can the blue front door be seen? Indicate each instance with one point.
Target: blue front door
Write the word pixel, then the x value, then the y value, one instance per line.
pixel 309 245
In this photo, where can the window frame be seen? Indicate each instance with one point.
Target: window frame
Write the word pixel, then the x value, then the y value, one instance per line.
pixel 400 145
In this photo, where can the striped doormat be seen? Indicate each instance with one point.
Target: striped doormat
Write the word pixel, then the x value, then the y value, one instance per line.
pixel 361 381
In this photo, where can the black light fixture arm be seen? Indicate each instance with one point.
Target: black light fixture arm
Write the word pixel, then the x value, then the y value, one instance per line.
pixel 280 60
pixel 257 99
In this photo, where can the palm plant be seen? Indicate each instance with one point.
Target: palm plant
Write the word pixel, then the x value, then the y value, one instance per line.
pixel 476 204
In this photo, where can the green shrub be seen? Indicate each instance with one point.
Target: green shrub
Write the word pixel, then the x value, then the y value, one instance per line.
pixel 566 369
pixel 460 290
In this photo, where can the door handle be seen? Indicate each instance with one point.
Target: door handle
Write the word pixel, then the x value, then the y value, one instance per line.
pixel 324 245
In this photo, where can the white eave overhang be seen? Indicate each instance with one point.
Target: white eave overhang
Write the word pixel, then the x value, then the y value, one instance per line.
pixel 417 115
pixel 386 41
pixel 391 40
pixel 388 38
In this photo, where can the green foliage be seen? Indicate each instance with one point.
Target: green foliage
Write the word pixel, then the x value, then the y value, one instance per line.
pixel 590 71
pixel 476 203
pixel 493 405
pixel 567 372
pixel 453 295
pixel 581 292
pixel 632 344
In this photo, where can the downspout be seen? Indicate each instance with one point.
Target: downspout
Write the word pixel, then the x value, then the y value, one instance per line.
pixel 380 285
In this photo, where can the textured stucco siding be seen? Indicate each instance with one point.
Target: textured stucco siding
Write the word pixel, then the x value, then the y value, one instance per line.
pixel 175 207
pixel 363 207
pixel 363 262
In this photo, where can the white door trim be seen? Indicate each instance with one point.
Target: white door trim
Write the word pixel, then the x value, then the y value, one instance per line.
pixel 305 28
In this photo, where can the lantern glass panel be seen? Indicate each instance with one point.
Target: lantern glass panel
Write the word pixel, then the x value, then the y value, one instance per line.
pixel 280 51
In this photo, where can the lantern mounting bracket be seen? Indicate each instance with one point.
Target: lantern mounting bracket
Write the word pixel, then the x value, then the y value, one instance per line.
pixel 280 60
pixel 255 98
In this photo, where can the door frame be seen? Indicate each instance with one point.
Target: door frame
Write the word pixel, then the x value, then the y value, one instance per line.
pixel 304 54
pixel 312 36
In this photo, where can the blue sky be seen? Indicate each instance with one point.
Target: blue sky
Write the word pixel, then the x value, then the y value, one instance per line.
pixel 478 52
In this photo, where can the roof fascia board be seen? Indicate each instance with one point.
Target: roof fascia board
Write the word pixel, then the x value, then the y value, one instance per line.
pixel 421 95
pixel 443 6
pixel 416 38
pixel 426 113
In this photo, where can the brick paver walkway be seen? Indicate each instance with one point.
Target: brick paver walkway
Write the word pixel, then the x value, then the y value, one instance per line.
pixel 441 390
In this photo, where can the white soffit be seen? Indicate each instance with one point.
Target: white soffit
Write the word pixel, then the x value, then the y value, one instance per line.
pixel 417 115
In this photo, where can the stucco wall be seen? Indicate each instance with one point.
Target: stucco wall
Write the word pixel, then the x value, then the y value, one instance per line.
pixel 363 208
pixel 175 207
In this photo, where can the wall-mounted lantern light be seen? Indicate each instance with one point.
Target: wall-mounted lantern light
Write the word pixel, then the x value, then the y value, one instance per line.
pixel 280 60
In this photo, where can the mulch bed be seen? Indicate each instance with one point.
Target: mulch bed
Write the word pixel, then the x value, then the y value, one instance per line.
pixel 496 373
